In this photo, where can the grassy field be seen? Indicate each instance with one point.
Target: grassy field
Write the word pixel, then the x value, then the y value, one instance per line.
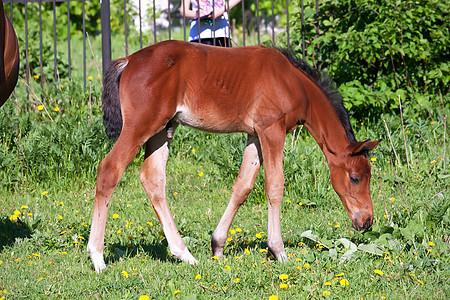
pixel 52 144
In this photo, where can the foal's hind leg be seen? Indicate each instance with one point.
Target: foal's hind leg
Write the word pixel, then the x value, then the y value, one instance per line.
pixel 272 144
pixel 241 188
pixel 109 172
pixel 153 178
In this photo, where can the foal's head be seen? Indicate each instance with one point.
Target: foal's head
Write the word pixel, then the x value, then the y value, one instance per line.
pixel 350 177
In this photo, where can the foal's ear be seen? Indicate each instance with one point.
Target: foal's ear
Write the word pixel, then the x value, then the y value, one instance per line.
pixel 362 148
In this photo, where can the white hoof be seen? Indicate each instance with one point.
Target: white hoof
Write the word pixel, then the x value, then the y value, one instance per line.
pixel 282 257
pixel 189 258
pixel 97 259
pixel 184 255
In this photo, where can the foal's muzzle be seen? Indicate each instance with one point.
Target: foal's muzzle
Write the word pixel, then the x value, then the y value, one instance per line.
pixel 362 224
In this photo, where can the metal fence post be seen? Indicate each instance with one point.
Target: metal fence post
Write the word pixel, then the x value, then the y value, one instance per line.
pixel 106 34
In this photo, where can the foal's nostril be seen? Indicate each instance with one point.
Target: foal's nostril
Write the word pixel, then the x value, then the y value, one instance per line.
pixel 367 223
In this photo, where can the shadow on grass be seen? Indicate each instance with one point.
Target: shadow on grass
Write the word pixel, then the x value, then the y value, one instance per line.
pixel 156 251
pixel 11 230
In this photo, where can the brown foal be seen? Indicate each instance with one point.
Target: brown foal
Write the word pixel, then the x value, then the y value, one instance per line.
pixel 9 57
pixel 260 91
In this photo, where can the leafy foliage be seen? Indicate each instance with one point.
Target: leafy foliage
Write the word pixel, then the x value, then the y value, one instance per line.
pixel 378 50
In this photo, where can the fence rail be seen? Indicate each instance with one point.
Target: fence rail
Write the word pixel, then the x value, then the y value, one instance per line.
pixel 264 24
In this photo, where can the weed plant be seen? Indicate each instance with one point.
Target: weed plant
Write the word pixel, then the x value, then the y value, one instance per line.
pixel 52 143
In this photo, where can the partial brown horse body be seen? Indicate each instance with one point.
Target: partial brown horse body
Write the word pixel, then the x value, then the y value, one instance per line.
pixel 259 91
pixel 9 57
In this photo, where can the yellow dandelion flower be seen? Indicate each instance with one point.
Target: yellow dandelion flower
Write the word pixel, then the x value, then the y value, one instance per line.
pixel 90 78
pixel 299 259
pixel 175 194
pixel 115 216
pixel 193 150
pixel 17 213
pixel 362 123
pixel 326 293
pixel 13 217
pixel 40 107
pixel 432 123
pixel 431 244
pixel 23 207
pixel 306 266
pixel 176 292
pixel 344 282
pixel 36 255
pixel 283 276
pixel 119 231
pixel 125 274
pixel 273 297
pixel 336 226
pixel 379 272
pixel 262 250
pixel 300 203
pixel 36 76
pixel 246 251
pixel 215 257
pixel 60 217
pixel 150 223
pixel 419 281
pixel 144 297
pixel 198 277
pixel 340 275
pixel 227 267
pixel 229 239
pixel 200 174
pixel 237 280
pixel 56 108
pixel 283 286
pixel 232 231
pixel 258 235
pixel 238 229
pixel 44 193
pixel 328 283
pixel 433 161
pixel 429 250
pixel 373 159
pixel 41 278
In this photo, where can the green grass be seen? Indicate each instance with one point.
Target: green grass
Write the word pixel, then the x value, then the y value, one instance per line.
pixel 47 172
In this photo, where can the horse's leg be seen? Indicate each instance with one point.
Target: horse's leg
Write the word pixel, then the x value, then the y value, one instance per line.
pixel 272 144
pixel 109 172
pixel 241 188
pixel 153 178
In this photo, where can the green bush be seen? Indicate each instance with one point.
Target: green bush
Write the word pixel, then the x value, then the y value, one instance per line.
pixel 378 50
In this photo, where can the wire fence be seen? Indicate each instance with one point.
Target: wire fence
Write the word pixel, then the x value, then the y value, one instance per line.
pixel 151 19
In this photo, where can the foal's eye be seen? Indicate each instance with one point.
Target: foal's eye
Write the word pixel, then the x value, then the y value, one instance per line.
pixel 354 179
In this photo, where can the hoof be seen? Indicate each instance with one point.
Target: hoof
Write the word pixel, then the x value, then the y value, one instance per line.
pixel 97 260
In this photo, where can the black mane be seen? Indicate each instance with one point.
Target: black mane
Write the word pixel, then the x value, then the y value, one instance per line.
pixel 324 81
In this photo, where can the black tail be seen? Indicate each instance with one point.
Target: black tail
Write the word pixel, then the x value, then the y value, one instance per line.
pixel 112 115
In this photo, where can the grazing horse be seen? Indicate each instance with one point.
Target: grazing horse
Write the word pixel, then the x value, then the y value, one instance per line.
pixel 260 91
pixel 9 57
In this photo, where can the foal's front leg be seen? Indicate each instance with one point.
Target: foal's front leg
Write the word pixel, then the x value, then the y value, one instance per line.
pixel 153 178
pixel 241 188
pixel 272 144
